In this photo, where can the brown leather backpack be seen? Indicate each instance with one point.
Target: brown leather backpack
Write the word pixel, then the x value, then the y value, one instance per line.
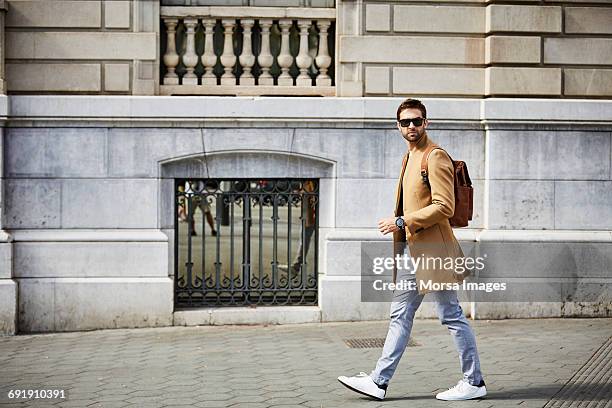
pixel 464 193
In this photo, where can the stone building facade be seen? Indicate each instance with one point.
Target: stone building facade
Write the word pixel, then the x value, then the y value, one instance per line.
pixel 102 111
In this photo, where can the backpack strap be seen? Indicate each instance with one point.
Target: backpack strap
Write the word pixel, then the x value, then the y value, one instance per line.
pixel 424 173
pixel 399 197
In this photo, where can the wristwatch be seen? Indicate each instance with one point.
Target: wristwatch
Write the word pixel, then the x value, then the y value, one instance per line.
pixel 399 222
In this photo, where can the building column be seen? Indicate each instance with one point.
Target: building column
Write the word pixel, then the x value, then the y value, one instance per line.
pixel 8 286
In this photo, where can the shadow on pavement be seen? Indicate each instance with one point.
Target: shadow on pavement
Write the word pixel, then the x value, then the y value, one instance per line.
pixel 588 392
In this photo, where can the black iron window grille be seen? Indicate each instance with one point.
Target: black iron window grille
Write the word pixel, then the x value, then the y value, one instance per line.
pixel 246 242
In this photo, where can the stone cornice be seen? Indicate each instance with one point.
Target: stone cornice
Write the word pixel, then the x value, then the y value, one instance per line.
pixel 162 109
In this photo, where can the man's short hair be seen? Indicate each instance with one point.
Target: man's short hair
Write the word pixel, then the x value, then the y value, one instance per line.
pixel 411 104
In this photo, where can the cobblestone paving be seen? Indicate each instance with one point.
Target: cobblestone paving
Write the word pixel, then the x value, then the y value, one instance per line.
pixel 525 363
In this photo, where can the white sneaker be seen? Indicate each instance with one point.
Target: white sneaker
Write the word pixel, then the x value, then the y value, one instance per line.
pixel 462 391
pixel 364 384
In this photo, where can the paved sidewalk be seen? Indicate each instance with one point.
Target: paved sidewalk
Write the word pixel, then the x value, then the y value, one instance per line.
pixel 525 363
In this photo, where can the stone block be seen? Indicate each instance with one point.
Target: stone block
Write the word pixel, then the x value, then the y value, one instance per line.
pixel 413 50
pixel 350 88
pixel 579 51
pixel 169 233
pixel 8 306
pixel 69 304
pixel 327 203
pixel 137 152
pixel 6 260
pixel 516 204
pixel 546 109
pixel 36 305
pixel 205 2
pixel 322 3
pixel 81 45
pixel 587 82
pixel 343 258
pixel 90 259
pixel 261 165
pixel 438 19
pixel 340 300
pixel 117 77
pixel 274 3
pixel 2 149
pixel 512 49
pixel 109 203
pixel 522 81
pixel 602 308
pixel 552 260
pixel 479 200
pixel 461 145
pixel 145 70
pixel 438 81
pixel 377 80
pixel 583 205
pixel 192 167
pixel 56 152
pixel 465 110
pixel 248 315
pixel 362 202
pixel 395 150
pixel 343 146
pixel 117 14
pixel 265 315
pixel 519 18
pixel 54 14
pixel 216 139
pixel 517 310
pixel 553 155
pixel 167 192
pixel 378 17
pixel 32 203
pixel 53 77
pixel 588 20
pixel 466 145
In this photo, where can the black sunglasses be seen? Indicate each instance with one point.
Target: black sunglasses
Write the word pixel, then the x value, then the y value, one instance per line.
pixel 406 122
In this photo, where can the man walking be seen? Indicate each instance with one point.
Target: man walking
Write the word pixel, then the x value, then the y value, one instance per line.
pixel 422 212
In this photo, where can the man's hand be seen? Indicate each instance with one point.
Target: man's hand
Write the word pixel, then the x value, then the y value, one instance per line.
pixel 387 225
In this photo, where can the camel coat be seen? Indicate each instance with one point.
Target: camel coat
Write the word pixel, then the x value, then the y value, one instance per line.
pixel 426 212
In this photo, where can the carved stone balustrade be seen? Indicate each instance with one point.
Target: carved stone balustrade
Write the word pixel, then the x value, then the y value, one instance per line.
pixel 212 50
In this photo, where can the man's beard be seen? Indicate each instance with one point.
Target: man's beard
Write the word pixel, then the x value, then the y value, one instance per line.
pixel 416 138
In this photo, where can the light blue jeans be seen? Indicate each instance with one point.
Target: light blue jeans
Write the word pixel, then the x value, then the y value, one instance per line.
pixel 403 308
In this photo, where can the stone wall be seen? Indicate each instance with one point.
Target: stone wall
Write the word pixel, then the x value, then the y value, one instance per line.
pixel 89 192
pixel 83 46
pixel 471 48
pixel 476 48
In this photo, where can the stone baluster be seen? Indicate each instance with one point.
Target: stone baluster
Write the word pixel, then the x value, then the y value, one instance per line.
pixel 265 59
pixel 228 59
pixel 209 59
pixel 247 59
pixel 171 58
pixel 323 59
pixel 190 58
pixel 303 60
pixel 285 59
